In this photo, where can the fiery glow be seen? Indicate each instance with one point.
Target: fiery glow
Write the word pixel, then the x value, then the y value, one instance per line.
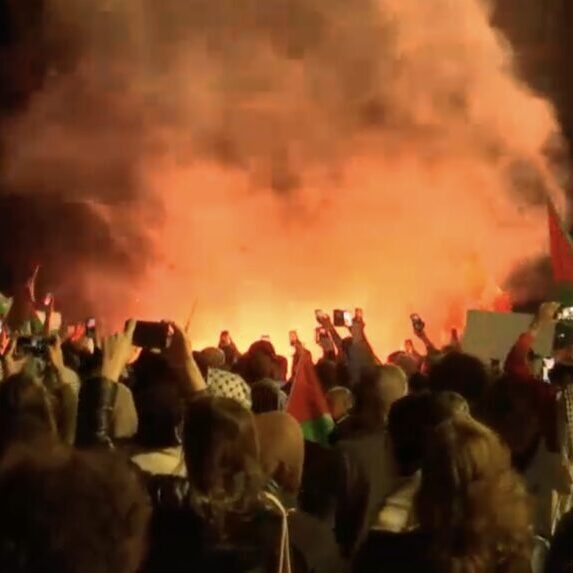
pixel 255 265
pixel 306 154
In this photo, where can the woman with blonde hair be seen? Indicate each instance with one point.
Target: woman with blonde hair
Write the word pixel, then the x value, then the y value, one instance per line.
pixel 473 510
pixel 218 517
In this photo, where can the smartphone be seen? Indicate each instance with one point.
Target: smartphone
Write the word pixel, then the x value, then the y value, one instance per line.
pixel 34 345
pixel 91 327
pixel 417 323
pixel 154 335
pixel 293 337
pixel 342 318
pixel 48 299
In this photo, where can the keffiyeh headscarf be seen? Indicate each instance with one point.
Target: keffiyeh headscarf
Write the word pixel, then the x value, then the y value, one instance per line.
pixel 225 384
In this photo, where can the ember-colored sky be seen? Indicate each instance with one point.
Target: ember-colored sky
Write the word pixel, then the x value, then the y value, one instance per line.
pixel 290 155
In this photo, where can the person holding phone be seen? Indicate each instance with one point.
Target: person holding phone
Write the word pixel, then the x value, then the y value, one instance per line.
pixel 518 362
pixel 229 348
pixel 323 339
pixel 361 355
pixel 355 350
pixel 324 320
pixel 419 329
pixel 536 425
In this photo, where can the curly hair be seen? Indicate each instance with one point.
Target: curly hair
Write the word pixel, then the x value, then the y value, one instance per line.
pixel 222 457
pixel 471 503
pixel 70 511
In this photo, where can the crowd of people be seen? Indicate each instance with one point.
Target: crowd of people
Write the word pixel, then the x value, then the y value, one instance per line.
pixel 117 459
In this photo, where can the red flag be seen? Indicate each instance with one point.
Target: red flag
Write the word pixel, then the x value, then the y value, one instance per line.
pixel 561 248
pixel 307 402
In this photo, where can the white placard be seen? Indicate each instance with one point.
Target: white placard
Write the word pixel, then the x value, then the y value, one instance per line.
pixel 490 335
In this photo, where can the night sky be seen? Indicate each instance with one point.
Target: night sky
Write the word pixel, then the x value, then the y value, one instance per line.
pixel 539 31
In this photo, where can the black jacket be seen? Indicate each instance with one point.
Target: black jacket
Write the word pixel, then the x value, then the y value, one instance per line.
pixel 183 541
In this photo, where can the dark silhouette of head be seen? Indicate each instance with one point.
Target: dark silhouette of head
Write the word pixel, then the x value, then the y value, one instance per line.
pixel 327 372
pixel 25 412
pixel 70 511
pixel 160 411
pixel 378 388
pixel 461 373
pixel 413 418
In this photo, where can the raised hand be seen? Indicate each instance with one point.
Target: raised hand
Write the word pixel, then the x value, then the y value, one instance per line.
pixel 357 328
pixel 324 320
pixel 547 312
pixel 179 355
pixel 545 315
pixel 117 351
pixel 10 364
pixel 180 350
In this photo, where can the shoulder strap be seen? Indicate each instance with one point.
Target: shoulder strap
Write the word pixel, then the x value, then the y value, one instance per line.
pixel 284 550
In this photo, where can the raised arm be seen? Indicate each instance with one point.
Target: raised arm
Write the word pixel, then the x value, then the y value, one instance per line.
pixel 98 394
pixel 325 321
pixel 10 363
pixel 179 355
pixel 359 338
pixel 517 362
pixel 419 328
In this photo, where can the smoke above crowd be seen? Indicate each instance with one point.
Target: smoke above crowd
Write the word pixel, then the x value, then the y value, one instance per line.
pixel 258 160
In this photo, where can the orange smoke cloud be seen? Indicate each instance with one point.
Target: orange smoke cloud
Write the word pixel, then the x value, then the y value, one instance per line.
pixel 309 154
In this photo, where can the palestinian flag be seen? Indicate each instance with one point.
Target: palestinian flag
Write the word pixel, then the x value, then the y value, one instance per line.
pixel 307 402
pixel 561 250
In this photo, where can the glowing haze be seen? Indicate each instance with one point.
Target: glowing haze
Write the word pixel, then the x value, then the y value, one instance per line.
pixel 289 155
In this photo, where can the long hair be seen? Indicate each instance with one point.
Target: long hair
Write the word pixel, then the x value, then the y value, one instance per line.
pixel 65 510
pixel 25 412
pixel 222 458
pixel 471 503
